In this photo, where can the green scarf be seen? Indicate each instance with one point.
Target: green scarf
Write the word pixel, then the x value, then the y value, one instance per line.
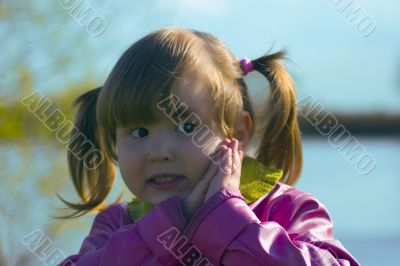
pixel 256 180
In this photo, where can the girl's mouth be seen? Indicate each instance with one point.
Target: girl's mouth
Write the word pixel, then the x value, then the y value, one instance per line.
pixel 165 183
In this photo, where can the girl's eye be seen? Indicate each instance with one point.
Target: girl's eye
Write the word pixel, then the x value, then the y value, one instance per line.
pixel 187 128
pixel 139 132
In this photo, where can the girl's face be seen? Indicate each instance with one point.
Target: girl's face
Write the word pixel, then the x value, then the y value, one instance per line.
pixel 166 148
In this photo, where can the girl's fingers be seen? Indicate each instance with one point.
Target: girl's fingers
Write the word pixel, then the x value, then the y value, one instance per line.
pixel 234 177
pixel 202 185
pixel 236 157
pixel 200 192
pixel 236 160
pixel 196 197
pixel 227 142
pixel 223 170
pixel 234 164
pixel 225 176
pixel 225 166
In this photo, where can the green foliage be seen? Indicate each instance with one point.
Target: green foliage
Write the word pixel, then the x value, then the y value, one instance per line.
pixel 17 122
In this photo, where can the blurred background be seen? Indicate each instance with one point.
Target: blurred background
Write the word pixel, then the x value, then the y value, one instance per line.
pixel 344 55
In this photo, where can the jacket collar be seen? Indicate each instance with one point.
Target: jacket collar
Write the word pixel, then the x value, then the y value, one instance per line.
pixel 256 180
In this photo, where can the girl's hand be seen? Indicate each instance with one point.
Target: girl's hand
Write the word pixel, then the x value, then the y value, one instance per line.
pixel 229 169
pixel 196 197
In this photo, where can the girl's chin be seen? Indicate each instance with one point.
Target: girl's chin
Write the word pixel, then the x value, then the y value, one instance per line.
pixel 164 196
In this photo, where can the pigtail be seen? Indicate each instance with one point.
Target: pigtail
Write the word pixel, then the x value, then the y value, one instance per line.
pixel 92 172
pixel 280 145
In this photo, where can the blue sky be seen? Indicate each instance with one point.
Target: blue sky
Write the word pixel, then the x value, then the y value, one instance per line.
pixel 329 59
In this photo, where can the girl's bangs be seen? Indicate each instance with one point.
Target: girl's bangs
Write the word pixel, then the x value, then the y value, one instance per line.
pixel 139 85
pixel 149 72
pixel 137 102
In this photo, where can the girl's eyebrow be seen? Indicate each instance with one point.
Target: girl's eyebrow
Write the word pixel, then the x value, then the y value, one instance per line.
pixel 183 115
pixel 176 114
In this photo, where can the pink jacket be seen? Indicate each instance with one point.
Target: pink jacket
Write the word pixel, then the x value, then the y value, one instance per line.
pixel 284 227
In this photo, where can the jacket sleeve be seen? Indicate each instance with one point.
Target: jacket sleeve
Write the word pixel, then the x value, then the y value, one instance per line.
pixel 133 244
pixel 297 230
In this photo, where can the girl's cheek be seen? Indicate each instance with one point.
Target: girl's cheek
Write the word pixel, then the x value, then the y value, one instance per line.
pixel 210 147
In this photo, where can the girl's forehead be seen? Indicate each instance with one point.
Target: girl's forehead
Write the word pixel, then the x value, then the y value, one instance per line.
pixel 196 95
pixel 190 98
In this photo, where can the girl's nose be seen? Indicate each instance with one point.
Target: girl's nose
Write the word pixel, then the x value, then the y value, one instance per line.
pixel 160 152
pixel 160 156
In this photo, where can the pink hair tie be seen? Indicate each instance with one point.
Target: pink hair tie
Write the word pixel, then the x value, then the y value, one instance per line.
pixel 246 66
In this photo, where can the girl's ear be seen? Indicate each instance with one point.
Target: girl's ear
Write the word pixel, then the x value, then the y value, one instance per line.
pixel 243 130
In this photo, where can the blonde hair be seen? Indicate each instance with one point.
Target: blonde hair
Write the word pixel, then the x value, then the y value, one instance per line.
pixel 148 72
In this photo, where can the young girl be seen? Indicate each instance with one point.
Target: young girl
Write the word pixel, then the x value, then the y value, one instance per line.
pixel 175 116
